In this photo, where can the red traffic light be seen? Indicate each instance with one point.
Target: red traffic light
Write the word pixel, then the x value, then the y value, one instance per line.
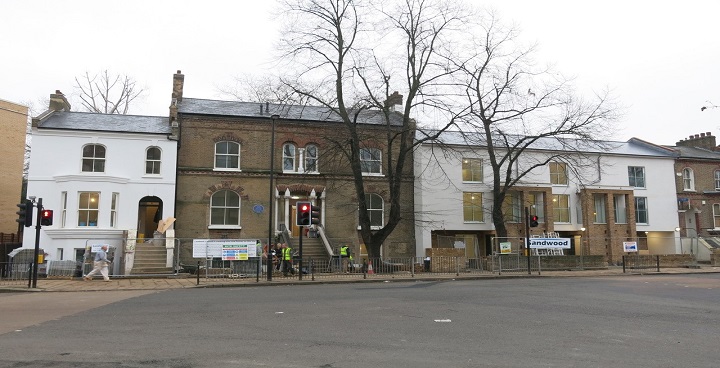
pixel 46 217
pixel 534 221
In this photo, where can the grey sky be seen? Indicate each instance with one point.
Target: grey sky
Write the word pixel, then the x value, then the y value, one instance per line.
pixel 660 58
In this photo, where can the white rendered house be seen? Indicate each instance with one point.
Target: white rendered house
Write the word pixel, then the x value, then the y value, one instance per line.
pixel 106 177
pixel 625 191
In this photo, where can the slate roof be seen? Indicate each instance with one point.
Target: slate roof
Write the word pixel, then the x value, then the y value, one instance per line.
pixel 71 120
pixel 286 112
pixel 634 146
pixel 695 153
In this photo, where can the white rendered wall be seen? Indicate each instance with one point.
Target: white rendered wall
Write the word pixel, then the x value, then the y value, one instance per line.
pixel 55 167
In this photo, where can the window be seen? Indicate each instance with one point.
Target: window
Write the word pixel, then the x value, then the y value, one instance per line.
pixel 688 179
pixel 227 155
pixel 641 210
pixel 370 160
pixel 472 169
pixel 716 215
pixel 63 208
pixel 561 208
pixel 93 158
pixel 619 202
pixel 472 207
pixel 375 210
pixel 152 161
pixel 311 158
pixel 537 205
pixel 113 209
pixel 599 214
pixel 717 179
pixel 512 207
pixel 288 157
pixel 88 204
pixel 636 176
pixel 225 208
pixel 558 173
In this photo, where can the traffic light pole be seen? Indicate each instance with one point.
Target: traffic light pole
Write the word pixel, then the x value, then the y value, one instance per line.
pixel 527 237
pixel 38 226
pixel 300 264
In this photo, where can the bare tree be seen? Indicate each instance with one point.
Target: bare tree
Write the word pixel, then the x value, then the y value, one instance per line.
pixel 350 56
pixel 106 93
pixel 516 107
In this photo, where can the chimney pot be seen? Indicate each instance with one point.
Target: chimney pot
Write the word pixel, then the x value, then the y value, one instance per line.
pixel 702 134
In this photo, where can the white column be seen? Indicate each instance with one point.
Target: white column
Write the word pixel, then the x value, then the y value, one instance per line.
pixel 322 208
pixel 287 209
pixel 301 159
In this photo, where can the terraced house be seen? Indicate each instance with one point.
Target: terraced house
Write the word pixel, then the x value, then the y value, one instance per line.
pixel 225 173
pixel 624 193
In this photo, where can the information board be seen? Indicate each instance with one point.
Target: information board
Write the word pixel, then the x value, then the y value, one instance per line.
pixel 233 249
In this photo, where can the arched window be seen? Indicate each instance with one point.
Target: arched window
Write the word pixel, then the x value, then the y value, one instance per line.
pixel 688 179
pixel 225 208
pixel 311 158
pixel 371 160
pixel 227 155
pixel 289 157
pixel 152 161
pixel 93 159
pixel 376 210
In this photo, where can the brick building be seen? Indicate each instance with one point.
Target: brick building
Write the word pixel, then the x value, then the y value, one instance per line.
pixel 13 120
pixel 223 179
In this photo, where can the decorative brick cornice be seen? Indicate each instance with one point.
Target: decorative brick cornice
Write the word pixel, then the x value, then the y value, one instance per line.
pixel 225 185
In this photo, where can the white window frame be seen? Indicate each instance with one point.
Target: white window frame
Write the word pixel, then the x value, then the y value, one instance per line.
pixel 371 161
pixel 472 170
pixel 114 209
pixel 152 164
pixel 560 213
pixel 635 174
pixel 289 150
pixel 312 160
pixel 86 210
pixel 226 210
pixel 95 159
pixel 227 156
pixel 688 179
pixel 717 180
pixel 716 215
pixel 644 210
pixel 474 206
pixel 63 209
pixel 558 174
pixel 372 201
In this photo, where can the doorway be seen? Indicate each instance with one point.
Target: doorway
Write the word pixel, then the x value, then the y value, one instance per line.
pixel 149 215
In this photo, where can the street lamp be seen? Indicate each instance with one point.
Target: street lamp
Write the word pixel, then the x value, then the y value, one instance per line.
pixel 271 199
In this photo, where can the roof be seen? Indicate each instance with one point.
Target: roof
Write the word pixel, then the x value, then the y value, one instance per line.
pixel 695 153
pixel 632 147
pixel 286 112
pixel 71 120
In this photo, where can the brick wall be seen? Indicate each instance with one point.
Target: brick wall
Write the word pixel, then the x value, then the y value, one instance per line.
pixel 13 121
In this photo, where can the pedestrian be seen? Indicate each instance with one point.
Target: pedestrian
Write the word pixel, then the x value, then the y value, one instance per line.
pixel 345 256
pixel 100 265
pixel 287 260
pixel 274 253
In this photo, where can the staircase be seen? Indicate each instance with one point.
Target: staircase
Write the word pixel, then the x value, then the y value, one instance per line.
pixel 150 260
pixel 312 248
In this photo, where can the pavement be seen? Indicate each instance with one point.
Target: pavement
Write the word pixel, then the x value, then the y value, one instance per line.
pixel 184 281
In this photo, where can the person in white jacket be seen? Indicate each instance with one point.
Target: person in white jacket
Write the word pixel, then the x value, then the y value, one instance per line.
pixel 100 265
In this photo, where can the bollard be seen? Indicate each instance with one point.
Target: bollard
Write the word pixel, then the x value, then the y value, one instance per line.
pixel 197 272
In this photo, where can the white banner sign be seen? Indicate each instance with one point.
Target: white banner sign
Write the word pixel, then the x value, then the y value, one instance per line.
pixel 630 246
pixel 213 248
pixel 547 243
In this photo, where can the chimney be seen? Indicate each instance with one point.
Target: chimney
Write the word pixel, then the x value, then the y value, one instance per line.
pixel 58 102
pixel 178 82
pixel 702 140
pixel 394 99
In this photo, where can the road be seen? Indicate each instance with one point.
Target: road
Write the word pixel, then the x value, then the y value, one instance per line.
pixel 641 321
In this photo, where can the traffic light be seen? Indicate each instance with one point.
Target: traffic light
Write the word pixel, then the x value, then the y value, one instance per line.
pixel 314 215
pixel 302 217
pixel 533 221
pixel 46 217
pixel 26 213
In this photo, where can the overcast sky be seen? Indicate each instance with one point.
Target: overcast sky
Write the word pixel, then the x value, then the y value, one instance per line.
pixel 660 59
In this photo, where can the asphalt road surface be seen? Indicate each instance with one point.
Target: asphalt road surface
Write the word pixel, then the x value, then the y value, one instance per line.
pixel 638 321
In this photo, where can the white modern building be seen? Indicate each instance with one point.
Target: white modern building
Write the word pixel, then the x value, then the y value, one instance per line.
pixel 599 198
pixel 106 178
